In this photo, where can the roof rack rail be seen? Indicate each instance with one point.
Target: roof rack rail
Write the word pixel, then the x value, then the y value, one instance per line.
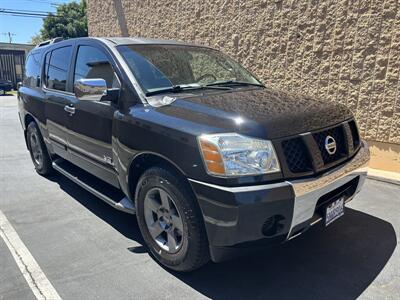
pixel 49 42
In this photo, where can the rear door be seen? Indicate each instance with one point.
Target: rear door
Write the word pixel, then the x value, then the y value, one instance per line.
pixel 31 98
pixel 90 131
pixel 58 98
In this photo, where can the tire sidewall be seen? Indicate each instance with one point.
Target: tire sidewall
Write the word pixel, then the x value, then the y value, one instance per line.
pixel 182 259
pixel 46 165
pixel 146 184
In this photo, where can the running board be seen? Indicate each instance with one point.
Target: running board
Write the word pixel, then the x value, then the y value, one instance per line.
pixel 97 187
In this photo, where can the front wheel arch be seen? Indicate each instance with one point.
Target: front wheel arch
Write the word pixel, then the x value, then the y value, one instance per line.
pixel 146 160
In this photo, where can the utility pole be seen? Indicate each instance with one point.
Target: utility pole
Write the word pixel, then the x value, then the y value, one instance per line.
pixel 10 35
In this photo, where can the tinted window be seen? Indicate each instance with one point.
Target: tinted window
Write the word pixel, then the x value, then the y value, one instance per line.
pixel 32 73
pixel 57 64
pixel 93 63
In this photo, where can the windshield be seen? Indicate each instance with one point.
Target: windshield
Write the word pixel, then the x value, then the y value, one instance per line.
pixel 159 67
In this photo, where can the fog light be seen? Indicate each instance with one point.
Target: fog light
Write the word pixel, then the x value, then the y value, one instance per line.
pixel 273 225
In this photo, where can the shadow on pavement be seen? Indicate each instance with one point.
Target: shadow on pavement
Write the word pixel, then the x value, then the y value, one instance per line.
pixel 338 262
pixel 123 222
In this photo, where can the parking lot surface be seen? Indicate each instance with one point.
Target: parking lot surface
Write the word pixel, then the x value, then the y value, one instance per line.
pixel 88 250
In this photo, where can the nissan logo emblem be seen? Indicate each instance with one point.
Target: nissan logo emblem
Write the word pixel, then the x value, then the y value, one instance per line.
pixel 330 145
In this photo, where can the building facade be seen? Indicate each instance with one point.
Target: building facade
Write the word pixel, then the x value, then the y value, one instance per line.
pixel 12 61
pixel 344 51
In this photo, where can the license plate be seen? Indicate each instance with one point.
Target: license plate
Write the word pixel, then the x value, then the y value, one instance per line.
pixel 334 211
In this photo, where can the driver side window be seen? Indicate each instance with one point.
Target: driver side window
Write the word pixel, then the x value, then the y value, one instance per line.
pixel 92 63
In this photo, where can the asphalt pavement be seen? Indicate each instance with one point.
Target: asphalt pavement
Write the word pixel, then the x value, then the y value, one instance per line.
pixel 88 250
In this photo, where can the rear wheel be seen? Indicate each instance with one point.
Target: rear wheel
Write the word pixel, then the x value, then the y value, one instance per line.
pixel 40 157
pixel 170 221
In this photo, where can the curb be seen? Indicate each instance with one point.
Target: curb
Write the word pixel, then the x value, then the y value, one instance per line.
pixel 384 176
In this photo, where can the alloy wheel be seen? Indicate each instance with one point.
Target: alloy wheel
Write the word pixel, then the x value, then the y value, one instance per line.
pixel 163 220
pixel 36 148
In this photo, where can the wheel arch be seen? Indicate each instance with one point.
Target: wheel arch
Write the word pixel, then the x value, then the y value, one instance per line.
pixel 27 120
pixel 145 160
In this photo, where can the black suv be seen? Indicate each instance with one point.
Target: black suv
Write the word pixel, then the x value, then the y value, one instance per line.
pixel 209 159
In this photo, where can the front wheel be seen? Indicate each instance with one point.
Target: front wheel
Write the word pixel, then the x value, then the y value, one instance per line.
pixel 170 221
pixel 40 157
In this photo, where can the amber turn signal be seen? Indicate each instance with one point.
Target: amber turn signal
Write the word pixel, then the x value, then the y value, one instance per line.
pixel 212 157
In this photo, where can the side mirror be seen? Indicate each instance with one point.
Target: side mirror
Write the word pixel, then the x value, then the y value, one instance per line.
pixel 90 89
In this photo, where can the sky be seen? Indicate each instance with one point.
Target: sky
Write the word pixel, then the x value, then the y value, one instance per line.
pixel 24 28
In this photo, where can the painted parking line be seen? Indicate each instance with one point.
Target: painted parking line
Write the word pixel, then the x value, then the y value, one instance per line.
pixel 33 274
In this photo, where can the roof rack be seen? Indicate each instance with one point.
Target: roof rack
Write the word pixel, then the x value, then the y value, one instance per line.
pixel 49 42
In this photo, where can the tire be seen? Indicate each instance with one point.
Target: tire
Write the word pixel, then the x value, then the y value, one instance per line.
pixel 40 157
pixel 190 249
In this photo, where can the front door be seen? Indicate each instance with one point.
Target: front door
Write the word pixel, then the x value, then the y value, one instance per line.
pixel 90 131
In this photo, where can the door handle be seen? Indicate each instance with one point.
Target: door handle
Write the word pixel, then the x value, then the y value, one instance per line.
pixel 69 109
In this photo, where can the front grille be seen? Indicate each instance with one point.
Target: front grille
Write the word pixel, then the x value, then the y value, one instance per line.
pixel 338 134
pixel 354 134
pixel 297 156
pixel 307 154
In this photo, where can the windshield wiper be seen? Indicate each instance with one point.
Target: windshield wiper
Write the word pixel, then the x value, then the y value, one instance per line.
pixel 174 88
pixel 183 87
pixel 234 82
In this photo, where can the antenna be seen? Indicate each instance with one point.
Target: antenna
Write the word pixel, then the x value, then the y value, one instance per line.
pixel 10 35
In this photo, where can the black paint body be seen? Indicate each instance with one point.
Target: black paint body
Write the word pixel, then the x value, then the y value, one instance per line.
pixel 106 138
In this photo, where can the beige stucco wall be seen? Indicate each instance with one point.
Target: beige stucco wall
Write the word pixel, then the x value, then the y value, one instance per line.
pixel 345 51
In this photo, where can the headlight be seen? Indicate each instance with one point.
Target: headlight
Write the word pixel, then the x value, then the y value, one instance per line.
pixel 231 154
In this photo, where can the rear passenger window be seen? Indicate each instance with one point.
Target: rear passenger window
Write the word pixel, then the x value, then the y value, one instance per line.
pixel 93 63
pixel 32 70
pixel 56 69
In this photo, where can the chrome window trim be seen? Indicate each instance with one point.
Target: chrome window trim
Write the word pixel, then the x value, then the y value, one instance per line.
pixel 46 89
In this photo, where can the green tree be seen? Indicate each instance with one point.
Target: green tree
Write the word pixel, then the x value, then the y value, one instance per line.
pixel 69 21
pixel 36 39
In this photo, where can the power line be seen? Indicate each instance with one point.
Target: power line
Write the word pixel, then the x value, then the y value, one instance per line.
pixel 12 15
pixel 31 14
pixel 27 11
pixel 22 13
pixel 51 2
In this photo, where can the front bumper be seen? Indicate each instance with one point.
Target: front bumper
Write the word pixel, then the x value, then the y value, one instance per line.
pixel 270 213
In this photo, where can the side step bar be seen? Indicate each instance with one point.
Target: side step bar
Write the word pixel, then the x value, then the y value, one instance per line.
pixel 95 186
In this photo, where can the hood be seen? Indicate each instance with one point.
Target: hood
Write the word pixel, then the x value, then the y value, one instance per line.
pixel 277 114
